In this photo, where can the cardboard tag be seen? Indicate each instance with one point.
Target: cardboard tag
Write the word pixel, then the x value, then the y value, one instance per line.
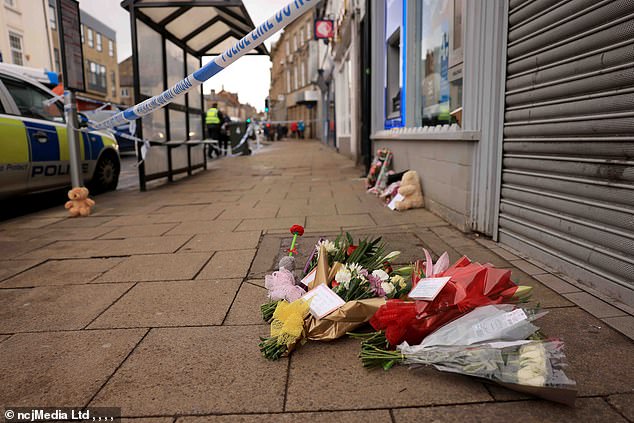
pixel 309 278
pixel 428 288
pixel 323 301
pixel 392 204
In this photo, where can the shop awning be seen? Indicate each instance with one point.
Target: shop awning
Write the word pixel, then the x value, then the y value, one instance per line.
pixel 202 27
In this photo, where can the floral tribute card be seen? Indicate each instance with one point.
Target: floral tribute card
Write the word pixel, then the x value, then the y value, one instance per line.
pixel 323 301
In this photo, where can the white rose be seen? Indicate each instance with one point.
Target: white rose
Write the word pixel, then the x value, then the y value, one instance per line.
pixel 387 287
pixel 381 275
pixel 343 277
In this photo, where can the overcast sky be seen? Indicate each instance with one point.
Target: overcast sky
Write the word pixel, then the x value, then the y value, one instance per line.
pixel 239 77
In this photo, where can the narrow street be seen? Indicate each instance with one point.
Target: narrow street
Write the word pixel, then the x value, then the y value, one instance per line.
pixel 151 304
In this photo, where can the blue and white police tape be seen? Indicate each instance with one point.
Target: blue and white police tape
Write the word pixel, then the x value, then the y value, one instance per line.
pixel 275 23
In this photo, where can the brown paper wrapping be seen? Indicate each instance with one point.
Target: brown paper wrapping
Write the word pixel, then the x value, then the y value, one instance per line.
pixel 349 317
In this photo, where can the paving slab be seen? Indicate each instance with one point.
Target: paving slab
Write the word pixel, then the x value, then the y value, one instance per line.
pixel 139 231
pixel 320 208
pixel 624 403
pixel 378 416
pixel 271 223
pixel 624 324
pixel 228 265
pixel 506 255
pixel 556 284
pixel 30 222
pixel 527 267
pixel 71 223
pixel 4 337
pixel 336 222
pixel 110 247
pixel 61 368
pixel 13 249
pixel 327 369
pixel 205 227
pixel 173 303
pixel 245 310
pixel 587 410
pixel 9 268
pixel 482 255
pixel 197 371
pixel 267 256
pixel 437 246
pixel 157 267
pixel 69 307
pixel 542 295
pixel 599 357
pixel 593 305
pixel 62 272
pixel 249 213
pixel 223 241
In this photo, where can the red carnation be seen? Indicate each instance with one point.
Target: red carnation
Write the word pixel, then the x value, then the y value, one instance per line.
pixel 351 249
pixel 297 229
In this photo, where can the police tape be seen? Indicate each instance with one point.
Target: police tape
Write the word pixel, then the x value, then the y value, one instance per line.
pixel 275 23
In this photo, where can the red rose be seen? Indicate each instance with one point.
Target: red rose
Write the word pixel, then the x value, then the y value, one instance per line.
pixel 335 284
pixel 297 229
pixel 350 250
pixel 387 267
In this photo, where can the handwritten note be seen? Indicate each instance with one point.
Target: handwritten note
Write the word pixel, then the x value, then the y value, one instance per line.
pixel 323 301
pixel 428 288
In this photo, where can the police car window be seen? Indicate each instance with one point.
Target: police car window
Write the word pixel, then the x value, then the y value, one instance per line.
pixel 32 102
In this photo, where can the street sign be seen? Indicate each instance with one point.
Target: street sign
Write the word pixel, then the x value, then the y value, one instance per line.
pixel 324 29
pixel 70 45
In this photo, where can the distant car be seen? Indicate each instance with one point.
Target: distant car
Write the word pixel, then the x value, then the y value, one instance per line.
pixel 34 154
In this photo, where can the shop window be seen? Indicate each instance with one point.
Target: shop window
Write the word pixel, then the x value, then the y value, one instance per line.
pixel 395 64
pixel 441 61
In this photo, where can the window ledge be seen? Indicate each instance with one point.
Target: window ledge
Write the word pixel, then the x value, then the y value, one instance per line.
pixel 445 132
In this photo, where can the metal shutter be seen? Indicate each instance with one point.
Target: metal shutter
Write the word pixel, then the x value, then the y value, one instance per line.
pixel 567 194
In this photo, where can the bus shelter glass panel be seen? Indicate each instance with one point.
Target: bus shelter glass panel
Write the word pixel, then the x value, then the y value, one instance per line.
pixel 178 131
pixel 150 56
pixel 195 126
pixel 194 95
pixel 174 57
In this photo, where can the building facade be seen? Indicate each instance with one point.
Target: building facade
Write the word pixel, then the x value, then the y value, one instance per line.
pixel 518 121
pixel 126 82
pixel 229 104
pixel 99 45
pixel 24 38
pixel 296 58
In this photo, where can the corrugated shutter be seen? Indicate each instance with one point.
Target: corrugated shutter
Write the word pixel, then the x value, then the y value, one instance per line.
pixel 567 195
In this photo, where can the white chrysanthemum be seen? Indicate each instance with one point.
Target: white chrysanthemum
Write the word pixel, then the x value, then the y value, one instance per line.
pixel 343 277
pixel 330 246
pixel 381 275
pixel 354 268
pixel 387 287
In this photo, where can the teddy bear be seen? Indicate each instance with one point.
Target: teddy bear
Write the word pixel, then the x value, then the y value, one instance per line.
pixel 79 203
pixel 411 190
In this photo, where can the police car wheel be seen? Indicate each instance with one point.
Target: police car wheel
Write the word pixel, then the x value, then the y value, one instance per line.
pixel 106 175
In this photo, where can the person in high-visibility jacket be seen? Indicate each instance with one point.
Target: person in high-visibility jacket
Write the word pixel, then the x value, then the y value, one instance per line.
pixel 213 120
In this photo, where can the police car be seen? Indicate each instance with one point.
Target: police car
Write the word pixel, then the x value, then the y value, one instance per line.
pixel 34 153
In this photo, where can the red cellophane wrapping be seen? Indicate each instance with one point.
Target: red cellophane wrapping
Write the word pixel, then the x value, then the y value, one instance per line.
pixel 471 285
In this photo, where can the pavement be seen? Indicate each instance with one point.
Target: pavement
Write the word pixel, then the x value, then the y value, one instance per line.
pixel 152 305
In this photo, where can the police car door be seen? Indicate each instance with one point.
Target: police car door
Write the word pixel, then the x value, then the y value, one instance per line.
pixel 46 135
pixel 14 149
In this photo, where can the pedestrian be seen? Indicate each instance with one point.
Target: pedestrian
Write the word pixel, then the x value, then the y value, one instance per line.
pixel 279 131
pixel 213 120
pixel 224 134
pixel 294 129
pixel 300 129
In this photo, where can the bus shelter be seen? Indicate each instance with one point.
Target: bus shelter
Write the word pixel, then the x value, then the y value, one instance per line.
pixel 169 39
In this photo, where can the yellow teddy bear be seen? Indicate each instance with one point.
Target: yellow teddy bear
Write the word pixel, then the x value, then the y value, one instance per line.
pixel 411 190
pixel 79 203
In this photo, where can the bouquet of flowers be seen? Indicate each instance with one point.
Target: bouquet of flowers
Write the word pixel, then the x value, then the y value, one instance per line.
pixel 490 343
pixel 470 285
pixel 361 276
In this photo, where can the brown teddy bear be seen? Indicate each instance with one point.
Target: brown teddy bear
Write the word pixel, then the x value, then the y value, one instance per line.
pixel 410 189
pixel 79 203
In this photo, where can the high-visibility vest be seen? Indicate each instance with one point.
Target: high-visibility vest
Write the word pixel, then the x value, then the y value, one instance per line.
pixel 212 117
